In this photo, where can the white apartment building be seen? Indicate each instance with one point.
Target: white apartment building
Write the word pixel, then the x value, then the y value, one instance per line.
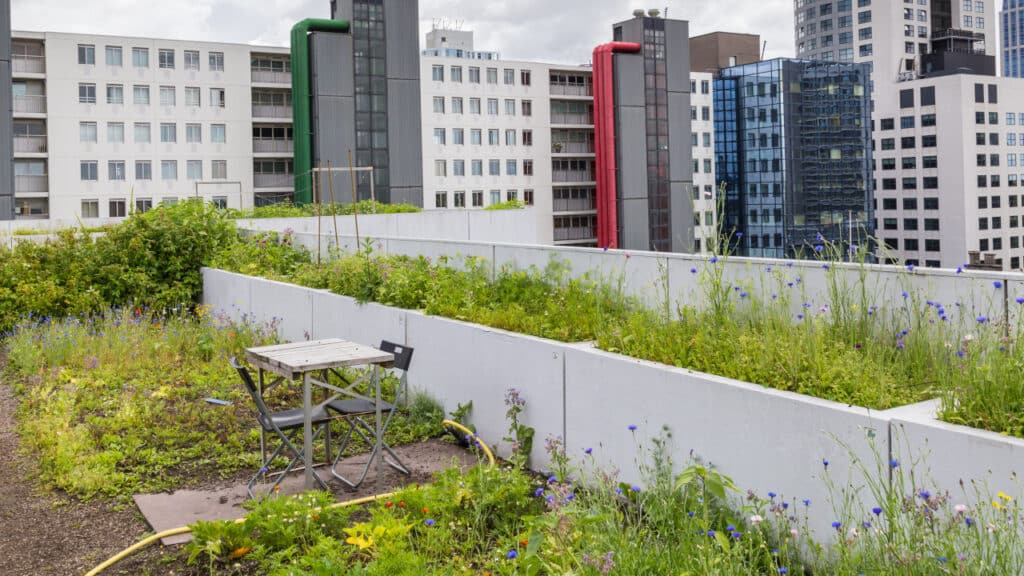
pixel 499 130
pixel 105 124
pixel 949 167
pixel 702 122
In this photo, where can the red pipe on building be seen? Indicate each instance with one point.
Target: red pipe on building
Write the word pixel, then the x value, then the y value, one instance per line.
pixel 604 140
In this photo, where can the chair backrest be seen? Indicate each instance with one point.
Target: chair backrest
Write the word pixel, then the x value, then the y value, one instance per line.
pixel 403 354
pixel 251 387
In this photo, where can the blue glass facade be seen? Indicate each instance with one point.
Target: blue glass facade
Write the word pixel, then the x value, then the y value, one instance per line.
pixel 793 150
pixel 1013 38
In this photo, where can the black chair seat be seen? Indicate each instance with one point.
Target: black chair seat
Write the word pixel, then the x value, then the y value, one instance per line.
pixel 292 419
pixel 357 406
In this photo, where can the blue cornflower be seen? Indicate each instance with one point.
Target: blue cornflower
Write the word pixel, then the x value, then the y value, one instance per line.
pixel 960 353
pixel 539 492
pixel 997 284
pixel 588 450
pixel 783 570
pixel 690 514
pixel 894 463
pixel 807 501
pixel 826 266
pixel 910 267
pixel 512 554
pixel 877 510
pixel 837 524
pixel 743 294
pixel 552 480
pixel 785 505
pixel 429 521
pixel 1020 299
pixel 942 559
pixel 571 496
pixel 819 248
pixel 819 237
pixel 632 427
pixel 959 270
pixel 981 319
pixel 905 295
pixel 739 234
pixel 714 259
pixel 771 494
pixel 799 316
pixel 634 488
pixel 789 264
pixel 730 528
pixel 866 524
pixel 737 535
pixel 790 284
pixel 824 463
pixel 693 270
pixel 711 533
pixel 968 521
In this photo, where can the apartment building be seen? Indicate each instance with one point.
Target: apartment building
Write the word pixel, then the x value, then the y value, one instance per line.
pixel 6 124
pixel 498 130
pixel 104 125
pixel 702 146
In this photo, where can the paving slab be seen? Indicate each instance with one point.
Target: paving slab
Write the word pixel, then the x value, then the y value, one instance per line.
pixel 165 511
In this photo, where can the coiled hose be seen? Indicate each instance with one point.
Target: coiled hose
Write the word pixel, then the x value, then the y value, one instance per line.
pixel 185 529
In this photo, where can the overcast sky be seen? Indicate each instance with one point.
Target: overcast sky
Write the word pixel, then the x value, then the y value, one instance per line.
pixel 562 31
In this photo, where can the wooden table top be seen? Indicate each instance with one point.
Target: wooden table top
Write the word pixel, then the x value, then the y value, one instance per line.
pixel 295 358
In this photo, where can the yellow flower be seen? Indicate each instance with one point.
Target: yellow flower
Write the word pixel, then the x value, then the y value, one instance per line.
pixel 997 505
pixel 1004 497
pixel 239 552
pixel 359 541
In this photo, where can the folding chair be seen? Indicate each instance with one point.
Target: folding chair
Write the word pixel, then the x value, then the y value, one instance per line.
pixel 287 425
pixel 355 411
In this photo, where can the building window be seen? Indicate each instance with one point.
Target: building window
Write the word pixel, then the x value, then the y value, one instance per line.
pixel 169 132
pixel 478 198
pixel 439 136
pixel 492 106
pixel 458 136
pixel 492 137
pixel 114 56
pixel 440 168
pixel 168 169
pixel 512 195
pixel 527 137
pixel 191 60
pixel 117 206
pixel 143 170
pixel 510 77
pixel 474 106
pixel 440 199
pixel 194 169
pixel 458 167
pixel 89 170
pixel 167 96
pixel 216 61
pixel 217 97
pixel 192 96
pixel 928 141
pixel 115 94
pixel 143 204
pixel 510 137
pixel 219 202
pixel 456 105
pixel 166 58
pixel 437 73
pixel 527 167
pixel 527 107
pixel 475 136
pixel 456 74
pixel 115 132
pixel 140 95
pixel 87 54
pixel 87 132
pixel 90 208
pixel 218 169
pixel 142 135
pixel 438 104
pixel 494 167
pixel 492 75
pixel 511 167
pixel 218 133
pixel 524 77
pixel 477 167
pixel 510 107
pixel 87 93
pixel 459 199
pixel 140 57
pixel 193 133
pixel 474 75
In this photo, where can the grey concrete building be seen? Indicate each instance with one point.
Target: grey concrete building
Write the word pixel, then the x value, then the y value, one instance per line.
pixel 6 116
pixel 717 50
pixel 642 128
pixel 366 98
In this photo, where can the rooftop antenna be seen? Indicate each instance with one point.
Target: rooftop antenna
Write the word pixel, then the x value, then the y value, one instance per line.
pixel 764 47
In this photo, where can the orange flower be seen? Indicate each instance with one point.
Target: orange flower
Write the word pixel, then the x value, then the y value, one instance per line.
pixel 389 504
pixel 523 542
pixel 401 504
pixel 425 510
pixel 277 488
pixel 239 552
pixel 231 334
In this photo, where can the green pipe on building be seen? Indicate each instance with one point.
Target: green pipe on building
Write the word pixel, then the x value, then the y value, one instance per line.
pixel 301 121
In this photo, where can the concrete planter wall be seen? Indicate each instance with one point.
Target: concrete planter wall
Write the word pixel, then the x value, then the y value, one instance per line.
pixel 766 440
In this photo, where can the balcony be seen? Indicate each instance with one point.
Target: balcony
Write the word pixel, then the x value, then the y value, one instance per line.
pixel 273 180
pixel 30 104
pixel 28 64
pixel 572 119
pixel 24 184
pixel 274 146
pixel 571 90
pixel 572 176
pixel 271 76
pixel 573 204
pixel 30 144
pixel 573 234
pixel 271 111
pixel 572 147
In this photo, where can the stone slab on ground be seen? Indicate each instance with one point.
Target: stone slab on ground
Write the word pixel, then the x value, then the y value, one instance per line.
pixel 170 510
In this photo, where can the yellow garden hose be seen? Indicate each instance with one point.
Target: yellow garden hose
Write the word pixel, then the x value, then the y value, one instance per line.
pixel 185 529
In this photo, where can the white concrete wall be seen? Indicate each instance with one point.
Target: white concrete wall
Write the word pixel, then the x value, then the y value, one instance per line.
pixel 766 440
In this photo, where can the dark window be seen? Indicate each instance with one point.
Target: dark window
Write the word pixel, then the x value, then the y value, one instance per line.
pixel 930 182
pixel 888 203
pixel 980 161
pixel 888 183
pixel 982 202
pixel 979 117
pixel 993 94
pixel 929 161
pixel 888 143
pixel 928 141
pixel 892 244
pixel 909 183
pixel 982 181
pixel 910 223
pixel 928 96
pixel 888 123
pixel 994 181
pixel 906 98
pixel 890 224
pixel 979 93
pixel 982 223
pixel 997 243
pixel 993 159
pixel 906 122
pixel 931 203
pixel 888 163
pixel 911 245
pixel 932 264
pixel 927 120
pixel 983 244
pixel 910 203
pixel 993 139
pixel 993 118
pixel 1013 200
pixel 909 162
pixel 931 224
pixel 979 138
pixel 931 245
pixel 1015 263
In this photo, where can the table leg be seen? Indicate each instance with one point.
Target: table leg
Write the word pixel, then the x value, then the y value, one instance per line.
pixel 307 430
pixel 263 433
pixel 378 448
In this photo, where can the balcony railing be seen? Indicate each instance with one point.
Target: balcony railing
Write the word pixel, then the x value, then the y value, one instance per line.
pixel 571 176
pixel 30 144
pixel 573 204
pixel 571 90
pixel 31 183
pixel 572 147
pixel 583 233
pixel 32 104
pixel 273 180
pixel 276 146
pixel 28 64
pixel 580 119
pixel 272 76
pixel 270 111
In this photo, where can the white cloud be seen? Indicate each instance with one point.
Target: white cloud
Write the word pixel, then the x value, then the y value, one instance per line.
pixel 564 31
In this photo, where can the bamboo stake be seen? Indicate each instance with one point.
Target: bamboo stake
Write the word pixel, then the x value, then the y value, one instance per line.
pixel 334 204
pixel 316 198
pixel 355 200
